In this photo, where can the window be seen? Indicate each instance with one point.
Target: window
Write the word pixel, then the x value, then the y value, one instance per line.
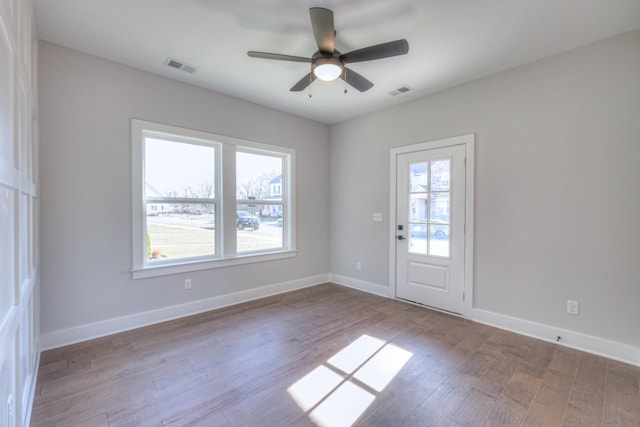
pixel 204 201
pixel 179 197
pixel 260 207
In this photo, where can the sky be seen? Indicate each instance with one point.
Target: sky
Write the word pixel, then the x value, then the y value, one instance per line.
pixel 174 166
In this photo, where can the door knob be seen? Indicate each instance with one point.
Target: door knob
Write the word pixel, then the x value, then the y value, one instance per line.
pixel 400 237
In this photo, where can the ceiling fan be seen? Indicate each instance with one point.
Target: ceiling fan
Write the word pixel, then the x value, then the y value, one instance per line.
pixel 327 63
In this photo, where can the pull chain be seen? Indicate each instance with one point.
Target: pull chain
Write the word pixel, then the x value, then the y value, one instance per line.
pixel 345 80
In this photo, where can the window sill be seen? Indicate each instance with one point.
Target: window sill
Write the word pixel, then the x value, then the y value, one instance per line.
pixel 185 267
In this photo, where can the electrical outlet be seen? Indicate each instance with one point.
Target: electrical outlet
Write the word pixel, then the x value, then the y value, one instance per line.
pixel 573 307
pixel 358 266
pixel 187 284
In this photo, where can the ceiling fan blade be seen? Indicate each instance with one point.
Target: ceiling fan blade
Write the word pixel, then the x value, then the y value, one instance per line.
pixel 303 83
pixel 277 56
pixel 323 30
pixel 356 80
pixel 379 51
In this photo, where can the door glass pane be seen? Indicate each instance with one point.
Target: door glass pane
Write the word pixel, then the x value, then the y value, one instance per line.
pixel 259 227
pixel 440 175
pixel 180 231
pixel 439 240
pixel 418 177
pixel 439 207
pixel 418 239
pixel 178 169
pixel 418 210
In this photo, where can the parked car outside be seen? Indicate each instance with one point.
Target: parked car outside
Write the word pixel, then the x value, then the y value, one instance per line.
pixel 246 220
pixel 439 232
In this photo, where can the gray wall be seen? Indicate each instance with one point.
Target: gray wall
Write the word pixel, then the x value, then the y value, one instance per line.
pixel 557 183
pixel 557 177
pixel 86 105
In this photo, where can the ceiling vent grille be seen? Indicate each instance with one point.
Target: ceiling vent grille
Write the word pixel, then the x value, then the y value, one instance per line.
pixel 178 65
pixel 403 89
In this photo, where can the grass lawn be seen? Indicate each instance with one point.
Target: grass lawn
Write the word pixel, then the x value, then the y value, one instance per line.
pixel 185 241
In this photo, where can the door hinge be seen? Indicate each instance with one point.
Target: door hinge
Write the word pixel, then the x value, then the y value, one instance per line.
pixel 463 296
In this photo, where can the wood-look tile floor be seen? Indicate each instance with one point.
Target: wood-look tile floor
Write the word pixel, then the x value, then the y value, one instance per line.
pixel 329 355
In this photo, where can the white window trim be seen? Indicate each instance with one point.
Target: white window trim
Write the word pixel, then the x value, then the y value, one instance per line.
pixel 226 251
pixel 188 266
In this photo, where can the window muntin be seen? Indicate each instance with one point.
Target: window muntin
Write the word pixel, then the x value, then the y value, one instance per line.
pixel 188 221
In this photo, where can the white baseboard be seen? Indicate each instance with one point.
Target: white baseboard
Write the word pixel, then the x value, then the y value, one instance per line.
pixel 89 331
pixel 591 344
pixel 613 350
pixel 361 285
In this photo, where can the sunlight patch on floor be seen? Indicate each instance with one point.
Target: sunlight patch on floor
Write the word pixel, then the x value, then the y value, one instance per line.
pixel 314 387
pixel 342 407
pixel 356 353
pixel 378 372
pixel 337 393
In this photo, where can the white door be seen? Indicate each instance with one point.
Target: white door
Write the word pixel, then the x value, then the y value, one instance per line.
pixel 430 215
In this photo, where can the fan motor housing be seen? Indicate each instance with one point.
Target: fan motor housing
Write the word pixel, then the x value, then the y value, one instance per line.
pixel 322 55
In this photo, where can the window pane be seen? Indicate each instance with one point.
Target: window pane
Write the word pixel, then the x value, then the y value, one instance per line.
pixel 418 208
pixel 419 178
pixel 440 171
pixel 258 176
pixel 439 207
pixel 418 238
pixel 177 231
pixel 179 169
pixel 259 227
pixel 439 240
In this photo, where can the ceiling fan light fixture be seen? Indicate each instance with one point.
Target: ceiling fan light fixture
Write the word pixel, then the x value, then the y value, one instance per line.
pixel 327 69
pixel 327 63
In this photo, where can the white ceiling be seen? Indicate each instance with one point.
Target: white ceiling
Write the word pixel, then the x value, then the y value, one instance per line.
pixel 450 42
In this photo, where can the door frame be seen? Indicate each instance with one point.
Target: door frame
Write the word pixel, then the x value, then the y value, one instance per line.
pixel 469 143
